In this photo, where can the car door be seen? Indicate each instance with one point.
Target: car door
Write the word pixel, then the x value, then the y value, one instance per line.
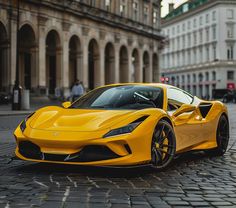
pixel 187 125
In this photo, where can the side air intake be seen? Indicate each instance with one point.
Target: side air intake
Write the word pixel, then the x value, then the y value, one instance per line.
pixel 205 108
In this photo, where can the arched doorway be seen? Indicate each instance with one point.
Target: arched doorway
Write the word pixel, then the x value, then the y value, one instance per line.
pixel 135 75
pixel 155 69
pixel 53 66
pixel 124 72
pixel 3 58
pixel 27 64
pixel 146 67
pixel 93 65
pixel 109 64
pixel 75 70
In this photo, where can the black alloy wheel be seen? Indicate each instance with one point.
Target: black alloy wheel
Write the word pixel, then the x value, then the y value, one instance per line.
pixel 222 136
pixel 163 145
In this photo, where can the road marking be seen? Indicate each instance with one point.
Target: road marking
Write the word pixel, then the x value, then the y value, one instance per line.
pixel 41 184
pixel 66 194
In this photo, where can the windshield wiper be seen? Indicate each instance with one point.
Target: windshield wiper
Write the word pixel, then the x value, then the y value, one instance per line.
pixel 145 98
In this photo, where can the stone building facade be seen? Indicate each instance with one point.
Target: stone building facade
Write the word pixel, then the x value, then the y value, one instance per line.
pixel 201 54
pixel 96 41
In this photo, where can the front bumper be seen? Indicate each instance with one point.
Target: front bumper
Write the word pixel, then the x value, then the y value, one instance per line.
pixel 83 148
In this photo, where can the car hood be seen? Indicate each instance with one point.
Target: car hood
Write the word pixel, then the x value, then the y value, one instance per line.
pixel 61 119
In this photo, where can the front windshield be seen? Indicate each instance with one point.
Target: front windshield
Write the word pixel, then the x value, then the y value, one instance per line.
pixel 121 97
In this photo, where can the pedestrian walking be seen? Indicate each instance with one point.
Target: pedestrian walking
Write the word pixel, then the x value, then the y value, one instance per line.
pixel 77 90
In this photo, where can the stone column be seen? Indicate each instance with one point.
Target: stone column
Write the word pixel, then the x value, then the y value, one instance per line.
pixel 85 69
pixel 117 63
pixel 130 65
pixel 140 72
pixel 13 32
pixel 34 69
pixel 65 67
pixel 42 55
pixel 79 65
pixel 101 70
pixel 150 72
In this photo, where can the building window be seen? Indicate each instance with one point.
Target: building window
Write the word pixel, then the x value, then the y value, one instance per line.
pixel 214 15
pixel 183 41
pixel 200 20
pixel 189 40
pixel 183 79
pixel 173 30
pixel 213 76
pixel 201 36
pixel 188 77
pixel 177 29
pixel 154 19
pixel 230 31
pixel 178 43
pixel 195 38
pixel 230 52
pixel 200 77
pixel 123 6
pixel 93 3
pixel 146 14
pixel 207 18
pixel 230 75
pixel 183 27
pixel 108 5
pixel 207 34
pixel 189 25
pixel 214 32
pixel 201 55
pixel 194 56
pixel 207 53
pixel 194 23
pixel 214 52
pixel 230 13
pixel 189 57
pixel 168 32
pixel 135 11
pixel 207 76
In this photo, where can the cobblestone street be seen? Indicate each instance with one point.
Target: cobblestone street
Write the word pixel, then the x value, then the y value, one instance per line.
pixel 193 180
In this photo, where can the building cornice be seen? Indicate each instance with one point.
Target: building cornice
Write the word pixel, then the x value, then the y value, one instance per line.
pixel 191 13
pixel 98 15
pixel 198 67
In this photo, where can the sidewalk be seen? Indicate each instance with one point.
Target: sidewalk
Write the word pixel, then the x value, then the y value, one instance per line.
pixel 35 103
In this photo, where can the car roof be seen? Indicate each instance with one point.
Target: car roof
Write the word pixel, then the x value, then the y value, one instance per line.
pixel 161 85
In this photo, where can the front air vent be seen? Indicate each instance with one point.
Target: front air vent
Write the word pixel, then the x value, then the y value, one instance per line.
pixel 205 108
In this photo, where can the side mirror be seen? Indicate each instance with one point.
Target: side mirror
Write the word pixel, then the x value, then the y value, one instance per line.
pixel 66 104
pixel 185 108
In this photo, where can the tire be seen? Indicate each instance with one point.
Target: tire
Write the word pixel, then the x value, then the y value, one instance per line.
pixel 222 137
pixel 163 145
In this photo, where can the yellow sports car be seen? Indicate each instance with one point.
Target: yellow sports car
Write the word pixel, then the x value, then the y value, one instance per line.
pixel 124 125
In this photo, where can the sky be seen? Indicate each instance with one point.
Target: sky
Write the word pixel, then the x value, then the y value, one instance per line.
pixel 165 5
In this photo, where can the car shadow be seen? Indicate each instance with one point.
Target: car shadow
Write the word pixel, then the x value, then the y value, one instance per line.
pixel 113 172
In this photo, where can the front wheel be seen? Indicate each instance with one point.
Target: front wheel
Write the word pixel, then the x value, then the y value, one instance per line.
pixel 163 145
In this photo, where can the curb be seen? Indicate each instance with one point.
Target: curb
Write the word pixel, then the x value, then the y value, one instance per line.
pixel 15 113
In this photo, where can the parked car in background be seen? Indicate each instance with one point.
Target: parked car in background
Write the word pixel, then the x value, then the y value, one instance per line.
pixel 226 95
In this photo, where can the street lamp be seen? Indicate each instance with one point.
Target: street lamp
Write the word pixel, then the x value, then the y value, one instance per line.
pixel 16 99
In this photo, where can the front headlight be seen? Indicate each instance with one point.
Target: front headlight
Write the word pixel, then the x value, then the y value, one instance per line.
pixel 125 129
pixel 23 123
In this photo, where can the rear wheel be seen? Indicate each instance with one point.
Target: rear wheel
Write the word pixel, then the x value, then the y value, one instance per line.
pixel 222 136
pixel 163 145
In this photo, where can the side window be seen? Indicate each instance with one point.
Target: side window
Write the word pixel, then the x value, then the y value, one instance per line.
pixel 176 98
